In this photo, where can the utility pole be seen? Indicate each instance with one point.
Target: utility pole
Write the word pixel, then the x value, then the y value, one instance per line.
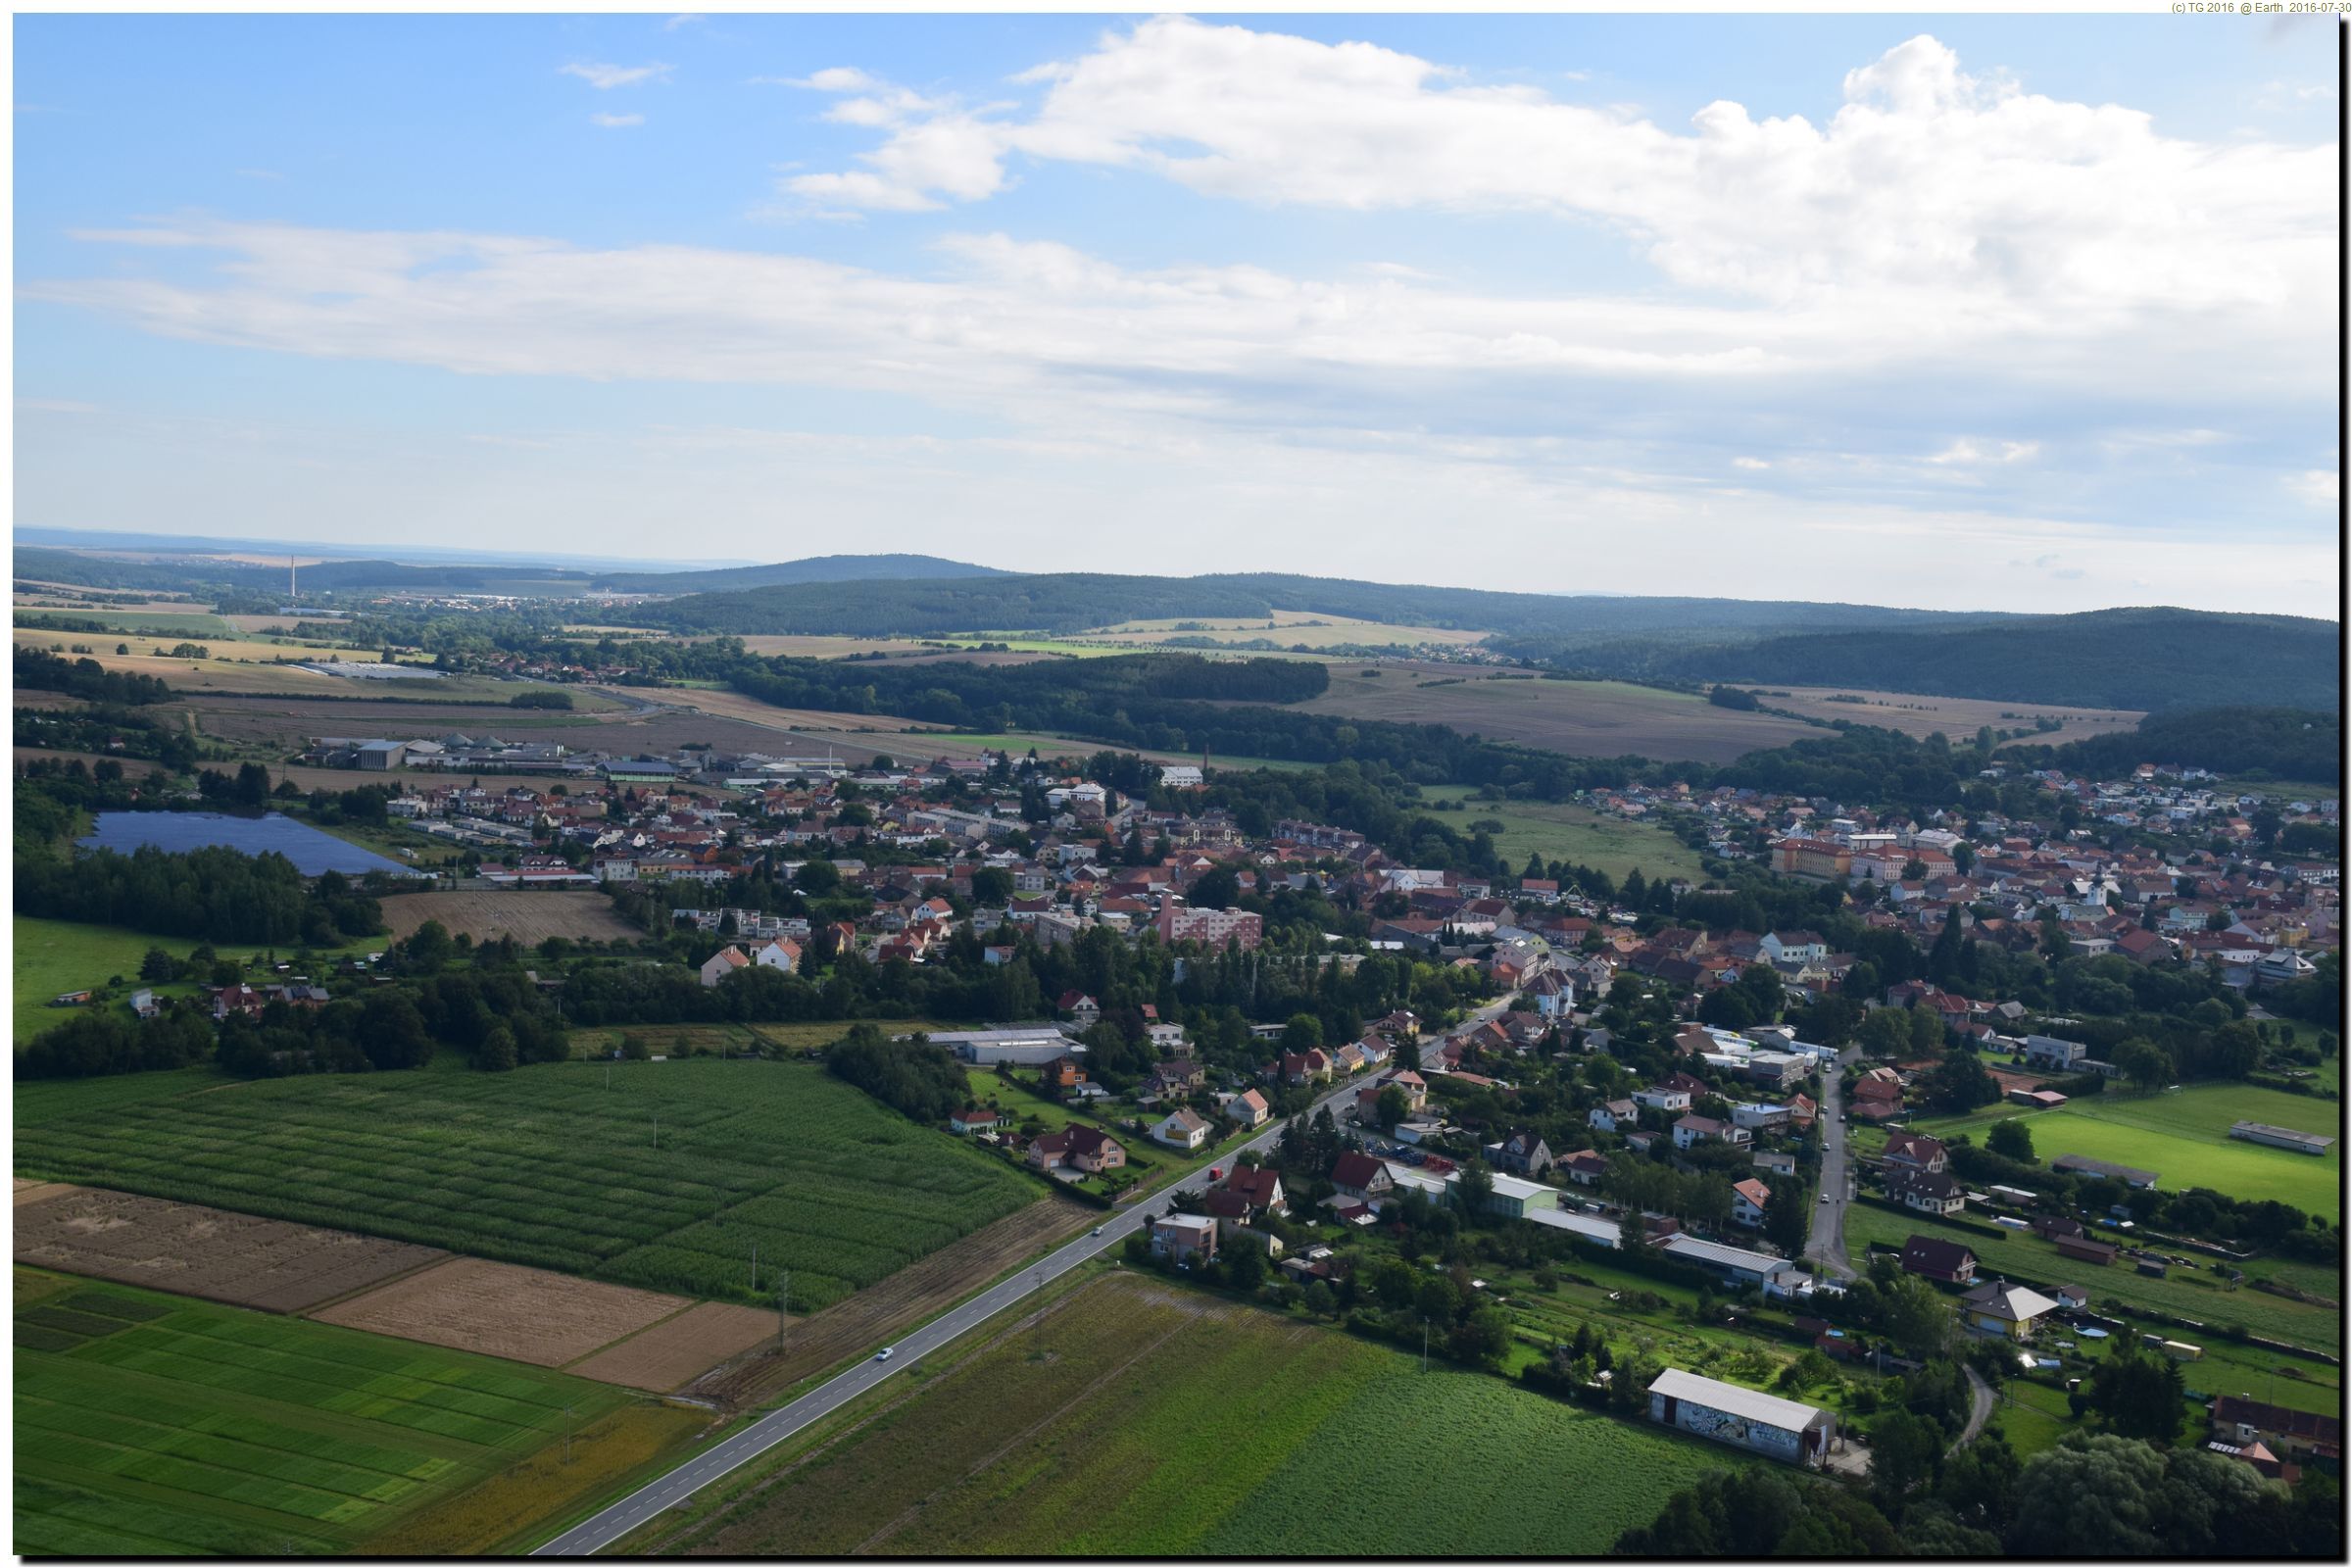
pixel 783 1296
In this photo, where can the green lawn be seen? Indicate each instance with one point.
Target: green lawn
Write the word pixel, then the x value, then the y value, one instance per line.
pixel 1140 1419
pixel 2184 1138
pixel 559 1167
pixel 2197 1294
pixel 151 1425
pixel 1572 833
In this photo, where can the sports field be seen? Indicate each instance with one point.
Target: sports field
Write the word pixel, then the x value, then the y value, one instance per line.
pixel 664 1175
pixel 150 1425
pixel 2184 1139
pixel 1572 833
pixel 1131 1418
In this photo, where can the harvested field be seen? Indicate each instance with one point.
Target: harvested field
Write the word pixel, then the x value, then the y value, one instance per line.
pixel 292 722
pixel 752 710
pixel 1576 718
pixel 1289 628
pixel 1957 719
pixel 530 916
pixel 503 1309
pixel 679 1348
pixel 193 1251
pixel 882 1312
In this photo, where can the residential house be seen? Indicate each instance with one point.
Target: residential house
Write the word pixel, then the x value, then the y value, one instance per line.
pixel 2293 1433
pixel 1361 1177
pixel 1077 1147
pixel 1925 1192
pixel 1660 1097
pixel 1748 1201
pixel 783 955
pixel 724 962
pixel 1181 1128
pixel 1185 1238
pixel 1584 1168
pixel 1612 1114
pixel 1082 1008
pixel 977 1120
pixel 1261 1186
pixel 1936 1260
pixel 2004 1310
pixel 1249 1108
pixel 1691 1130
pixel 1522 1154
pixel 1915 1152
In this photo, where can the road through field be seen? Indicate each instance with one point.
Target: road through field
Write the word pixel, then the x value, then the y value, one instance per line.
pixel 648 1502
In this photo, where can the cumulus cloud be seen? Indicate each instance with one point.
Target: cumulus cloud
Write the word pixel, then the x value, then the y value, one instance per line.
pixel 604 78
pixel 616 122
pixel 2319 486
pixel 1928 181
pixel 1967 452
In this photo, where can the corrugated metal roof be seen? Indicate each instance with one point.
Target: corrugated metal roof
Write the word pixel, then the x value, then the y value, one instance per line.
pixel 1731 1399
pixel 1721 1256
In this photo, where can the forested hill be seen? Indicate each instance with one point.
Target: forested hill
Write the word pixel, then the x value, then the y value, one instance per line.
pixel 2283 742
pixel 2147 659
pixel 815 568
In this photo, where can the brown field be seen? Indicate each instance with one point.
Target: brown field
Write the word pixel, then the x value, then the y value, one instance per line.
pixel 678 1349
pixel 905 1299
pixel 790 645
pixel 1580 718
pixel 504 1309
pixel 209 1252
pixel 147 649
pixel 752 710
pixel 487 1519
pixel 1957 719
pixel 292 722
pixel 529 915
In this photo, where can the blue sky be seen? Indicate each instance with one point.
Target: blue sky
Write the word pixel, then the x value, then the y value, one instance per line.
pixel 1966 312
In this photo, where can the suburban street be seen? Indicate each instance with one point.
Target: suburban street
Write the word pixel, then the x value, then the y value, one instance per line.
pixel 601 1531
pixel 1826 1245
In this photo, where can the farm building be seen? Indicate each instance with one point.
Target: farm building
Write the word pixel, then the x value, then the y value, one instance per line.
pixel 1742 1418
pixel 2084 1165
pixel 2255 1132
pixel 1736 1265
pixel 1516 1198
pixel 1592 1227
pixel 1032 1047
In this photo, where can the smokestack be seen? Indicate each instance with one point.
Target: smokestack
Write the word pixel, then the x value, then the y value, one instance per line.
pixel 291 590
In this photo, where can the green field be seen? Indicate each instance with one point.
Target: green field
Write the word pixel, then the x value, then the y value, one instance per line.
pixel 118 623
pixel 150 1425
pixel 2184 1139
pixel 1136 1419
pixel 54 956
pixel 2027 1259
pixel 549 1166
pixel 1572 833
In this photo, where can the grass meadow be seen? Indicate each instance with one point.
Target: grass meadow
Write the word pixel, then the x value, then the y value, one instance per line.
pixel 2026 1258
pixel 2184 1139
pixel 663 1174
pixel 1136 1419
pixel 1572 833
pixel 154 1425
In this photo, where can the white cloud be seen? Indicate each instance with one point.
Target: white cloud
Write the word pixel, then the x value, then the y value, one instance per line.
pixel 2319 486
pixel 683 19
pixel 1930 188
pixel 604 78
pixel 1967 452
pixel 1750 463
pixel 616 122
pixel 54 406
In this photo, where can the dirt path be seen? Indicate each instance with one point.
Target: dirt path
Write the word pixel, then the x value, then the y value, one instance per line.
pixel 879 1312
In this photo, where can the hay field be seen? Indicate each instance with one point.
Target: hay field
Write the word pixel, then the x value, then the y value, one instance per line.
pixel 190 1249
pixel 681 1347
pixel 1580 718
pixel 529 915
pixel 502 1309
pixel 1957 719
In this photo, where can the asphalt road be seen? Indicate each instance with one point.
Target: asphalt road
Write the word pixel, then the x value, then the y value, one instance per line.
pixel 1825 1245
pixel 601 1531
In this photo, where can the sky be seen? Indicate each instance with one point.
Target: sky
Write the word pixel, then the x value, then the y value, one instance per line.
pixel 1956 312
